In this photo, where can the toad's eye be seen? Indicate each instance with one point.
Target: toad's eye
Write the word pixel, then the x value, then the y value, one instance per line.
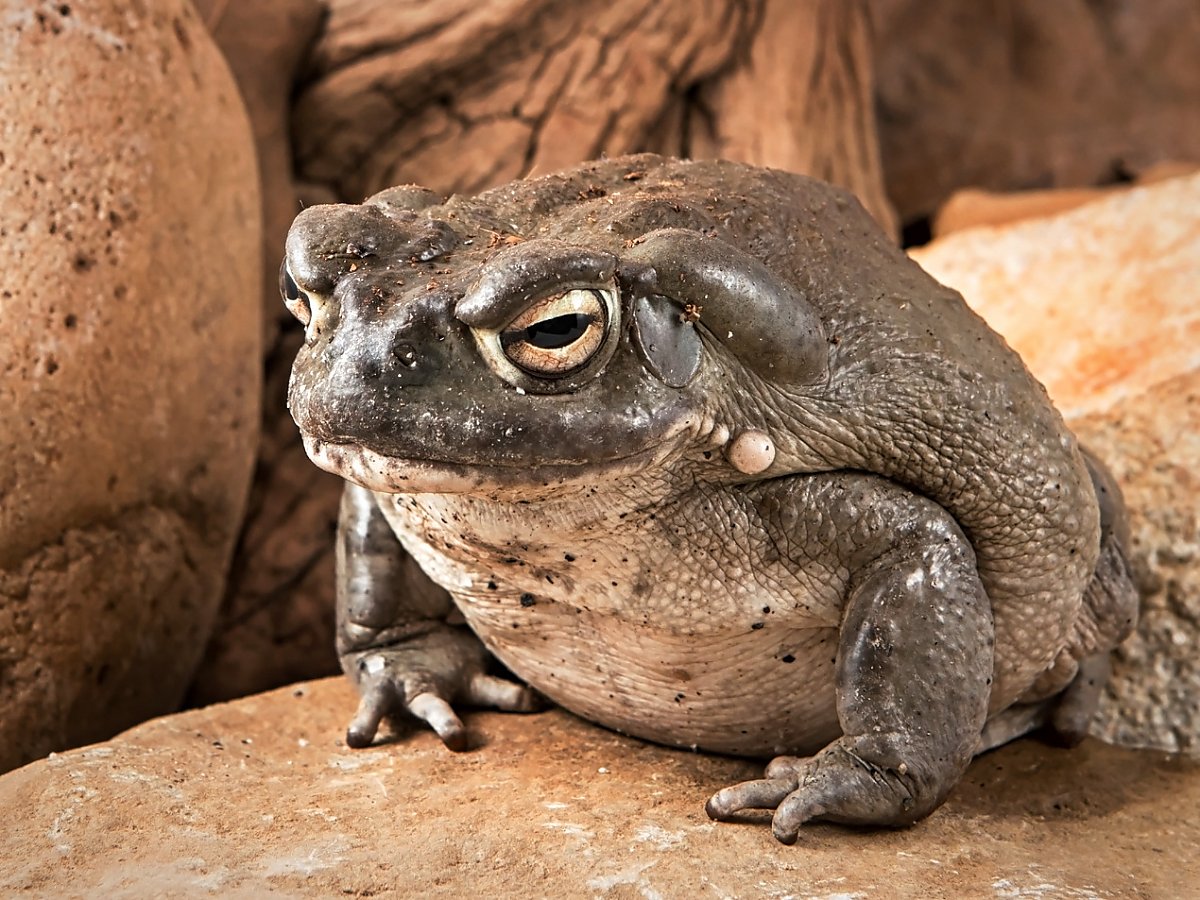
pixel 295 299
pixel 557 335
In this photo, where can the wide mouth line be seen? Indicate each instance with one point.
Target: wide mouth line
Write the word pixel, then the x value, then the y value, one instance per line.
pixel 317 445
pixel 395 475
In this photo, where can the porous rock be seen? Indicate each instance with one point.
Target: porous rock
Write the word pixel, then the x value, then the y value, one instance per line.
pixel 129 360
pixel 1103 303
pixel 260 797
pixel 265 43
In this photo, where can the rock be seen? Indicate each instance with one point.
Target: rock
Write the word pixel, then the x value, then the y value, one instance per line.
pixel 1023 94
pixel 265 42
pixel 971 207
pixel 1153 441
pixel 261 797
pixel 129 361
pixel 1103 303
pixel 275 623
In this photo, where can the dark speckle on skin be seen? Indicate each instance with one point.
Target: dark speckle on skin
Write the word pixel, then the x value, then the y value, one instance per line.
pixel 528 600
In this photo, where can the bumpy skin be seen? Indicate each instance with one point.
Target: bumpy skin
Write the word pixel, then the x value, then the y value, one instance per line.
pixel 800 499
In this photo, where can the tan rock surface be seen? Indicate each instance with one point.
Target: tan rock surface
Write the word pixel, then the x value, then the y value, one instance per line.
pixel 1103 303
pixel 260 798
pixel 972 207
pixel 129 360
pixel 1153 444
pixel 265 43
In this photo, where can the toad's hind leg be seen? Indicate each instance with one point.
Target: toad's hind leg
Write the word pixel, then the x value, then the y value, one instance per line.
pixel 913 679
pixel 1110 610
pixel 1064 718
pixel 1065 699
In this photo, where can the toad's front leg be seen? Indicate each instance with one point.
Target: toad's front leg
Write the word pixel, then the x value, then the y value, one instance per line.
pixel 394 640
pixel 914 671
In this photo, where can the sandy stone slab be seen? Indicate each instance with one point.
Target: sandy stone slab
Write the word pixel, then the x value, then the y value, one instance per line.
pixel 260 797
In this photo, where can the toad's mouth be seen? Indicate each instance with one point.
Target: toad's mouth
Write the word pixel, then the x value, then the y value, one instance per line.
pixel 392 475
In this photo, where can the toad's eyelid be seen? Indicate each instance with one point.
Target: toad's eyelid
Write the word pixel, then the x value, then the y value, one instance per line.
pixel 583 301
pixel 516 277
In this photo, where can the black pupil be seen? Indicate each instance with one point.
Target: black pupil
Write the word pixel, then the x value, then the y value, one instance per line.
pixel 556 333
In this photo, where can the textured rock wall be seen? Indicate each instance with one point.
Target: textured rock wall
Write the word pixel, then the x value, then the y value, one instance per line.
pixel 1020 94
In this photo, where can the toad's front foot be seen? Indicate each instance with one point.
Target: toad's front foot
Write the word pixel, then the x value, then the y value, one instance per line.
pixel 912 699
pixel 852 782
pixel 423 675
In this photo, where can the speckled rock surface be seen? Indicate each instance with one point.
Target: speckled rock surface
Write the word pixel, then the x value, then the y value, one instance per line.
pixel 260 798
pixel 129 360
pixel 1103 303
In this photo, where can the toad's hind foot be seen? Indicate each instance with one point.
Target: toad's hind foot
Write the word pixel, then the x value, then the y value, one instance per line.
pixel 849 782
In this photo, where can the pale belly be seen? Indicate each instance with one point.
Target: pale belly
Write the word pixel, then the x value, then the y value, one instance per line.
pixel 754 693
pixel 676 642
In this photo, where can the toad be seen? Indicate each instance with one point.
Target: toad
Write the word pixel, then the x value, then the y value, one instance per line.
pixel 698 454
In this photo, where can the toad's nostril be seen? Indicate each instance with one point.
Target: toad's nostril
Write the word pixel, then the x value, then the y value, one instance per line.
pixel 406 353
